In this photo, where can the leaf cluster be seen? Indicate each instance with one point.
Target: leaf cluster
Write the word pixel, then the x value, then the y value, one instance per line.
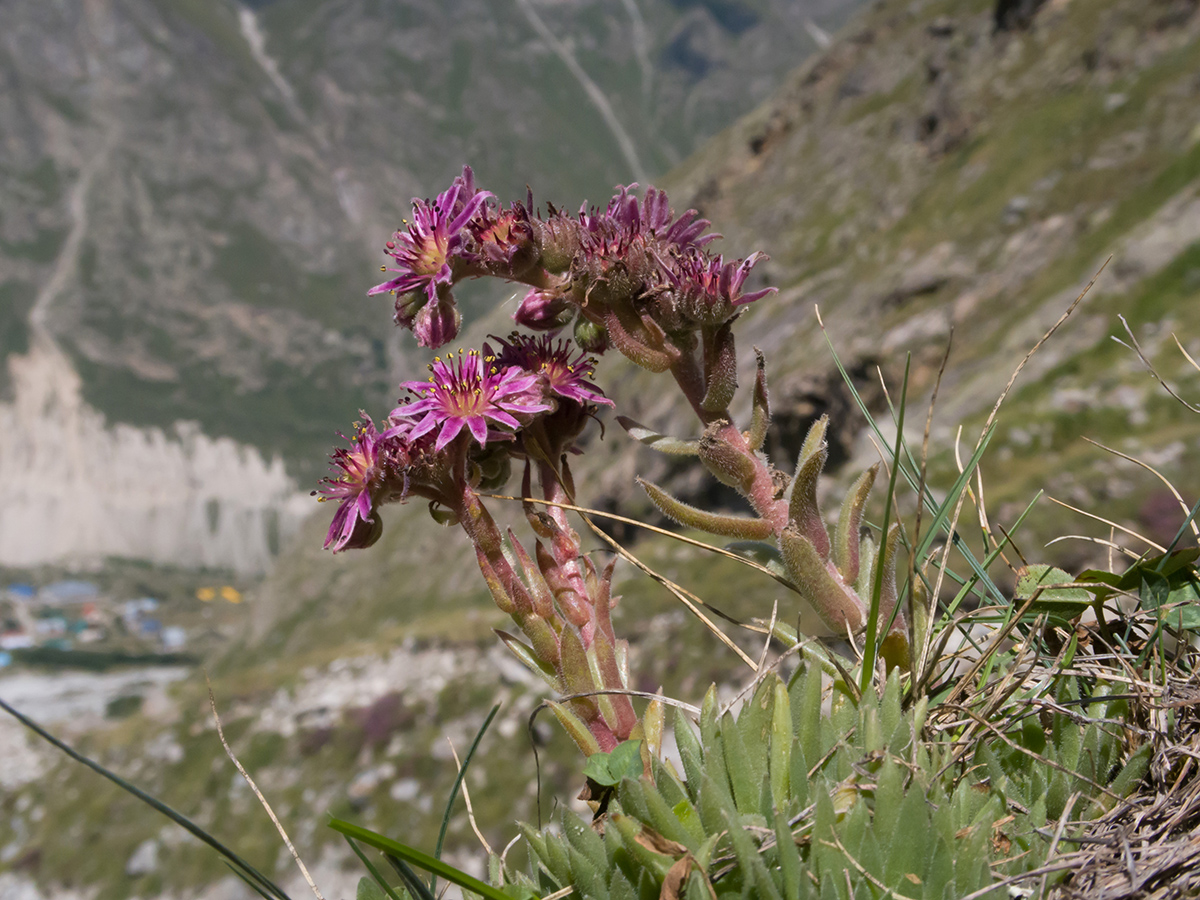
pixel 801 796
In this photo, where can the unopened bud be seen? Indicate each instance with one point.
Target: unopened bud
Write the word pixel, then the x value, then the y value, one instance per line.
pixel 592 337
pixel 543 311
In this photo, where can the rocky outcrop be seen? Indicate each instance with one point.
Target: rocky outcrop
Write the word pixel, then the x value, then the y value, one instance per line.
pixel 80 489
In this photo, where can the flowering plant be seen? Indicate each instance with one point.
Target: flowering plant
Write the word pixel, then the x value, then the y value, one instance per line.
pixel 635 277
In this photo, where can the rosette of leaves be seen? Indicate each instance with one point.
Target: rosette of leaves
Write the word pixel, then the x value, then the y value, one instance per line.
pixel 786 800
pixel 1071 746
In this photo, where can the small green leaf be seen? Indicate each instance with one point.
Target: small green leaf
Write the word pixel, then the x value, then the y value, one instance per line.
pixel 1040 580
pixel 1177 598
pixel 369 890
pixel 625 761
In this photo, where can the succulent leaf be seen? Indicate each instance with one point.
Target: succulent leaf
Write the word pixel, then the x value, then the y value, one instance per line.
pixel 780 759
pixel 836 606
pixel 846 537
pixel 660 442
pixel 743 527
pixel 531 660
pixel 760 417
pixel 804 512
pixel 655 359
pixel 575 728
pixel 720 370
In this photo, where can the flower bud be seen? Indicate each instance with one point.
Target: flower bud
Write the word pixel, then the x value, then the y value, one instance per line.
pixel 438 323
pixel 407 307
pixel 365 533
pixel 543 311
pixel 592 337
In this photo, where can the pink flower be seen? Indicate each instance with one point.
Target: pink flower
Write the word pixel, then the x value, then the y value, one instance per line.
pixel 470 391
pixel 426 252
pixel 362 474
pixel 562 367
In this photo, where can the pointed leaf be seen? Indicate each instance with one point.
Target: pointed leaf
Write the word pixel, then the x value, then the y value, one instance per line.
pixel 575 728
pixel 804 512
pixel 829 597
pixel 846 540
pixel 660 442
pixel 780 759
pixel 760 418
pixel 743 527
pixel 720 370
pixel 525 654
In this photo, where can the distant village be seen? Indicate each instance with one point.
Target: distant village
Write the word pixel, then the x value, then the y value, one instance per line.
pixel 75 614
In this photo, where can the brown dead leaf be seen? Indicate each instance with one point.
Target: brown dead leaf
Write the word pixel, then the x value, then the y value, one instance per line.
pixel 652 840
pixel 672 886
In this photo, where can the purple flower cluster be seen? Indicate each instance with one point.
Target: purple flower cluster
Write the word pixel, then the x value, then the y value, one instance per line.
pixel 631 275
pixel 449 424
pixel 631 258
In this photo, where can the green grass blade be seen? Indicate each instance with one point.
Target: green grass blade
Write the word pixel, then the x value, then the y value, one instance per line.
pixel 1179 535
pixel 462 773
pixel 412 881
pixel 914 480
pixel 387 889
pixel 264 885
pixel 417 858
pixel 870 648
pixel 247 879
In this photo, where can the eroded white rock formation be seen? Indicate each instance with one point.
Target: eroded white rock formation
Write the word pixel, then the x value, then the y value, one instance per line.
pixel 77 489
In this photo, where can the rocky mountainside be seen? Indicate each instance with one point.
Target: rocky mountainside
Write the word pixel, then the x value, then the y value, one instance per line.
pixel 945 165
pixel 193 194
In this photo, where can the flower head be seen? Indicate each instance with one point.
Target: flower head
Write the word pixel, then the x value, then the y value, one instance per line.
pixel 504 239
pixel 710 289
pixel 360 479
pixel 561 366
pixel 470 391
pixel 426 251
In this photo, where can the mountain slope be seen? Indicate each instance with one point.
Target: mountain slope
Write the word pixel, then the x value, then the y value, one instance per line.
pixel 194 193
pixel 928 171
pixel 931 172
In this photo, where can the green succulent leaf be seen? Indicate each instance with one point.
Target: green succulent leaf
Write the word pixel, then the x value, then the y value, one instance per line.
pixel 625 761
pixel 760 418
pixel 846 541
pixel 744 527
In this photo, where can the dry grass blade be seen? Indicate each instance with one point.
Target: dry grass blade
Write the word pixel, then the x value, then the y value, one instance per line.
pixel 1149 468
pixel 212 700
pixel 1109 522
pixel 937 385
pixel 467 800
pixel 1092 539
pixel 1137 348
